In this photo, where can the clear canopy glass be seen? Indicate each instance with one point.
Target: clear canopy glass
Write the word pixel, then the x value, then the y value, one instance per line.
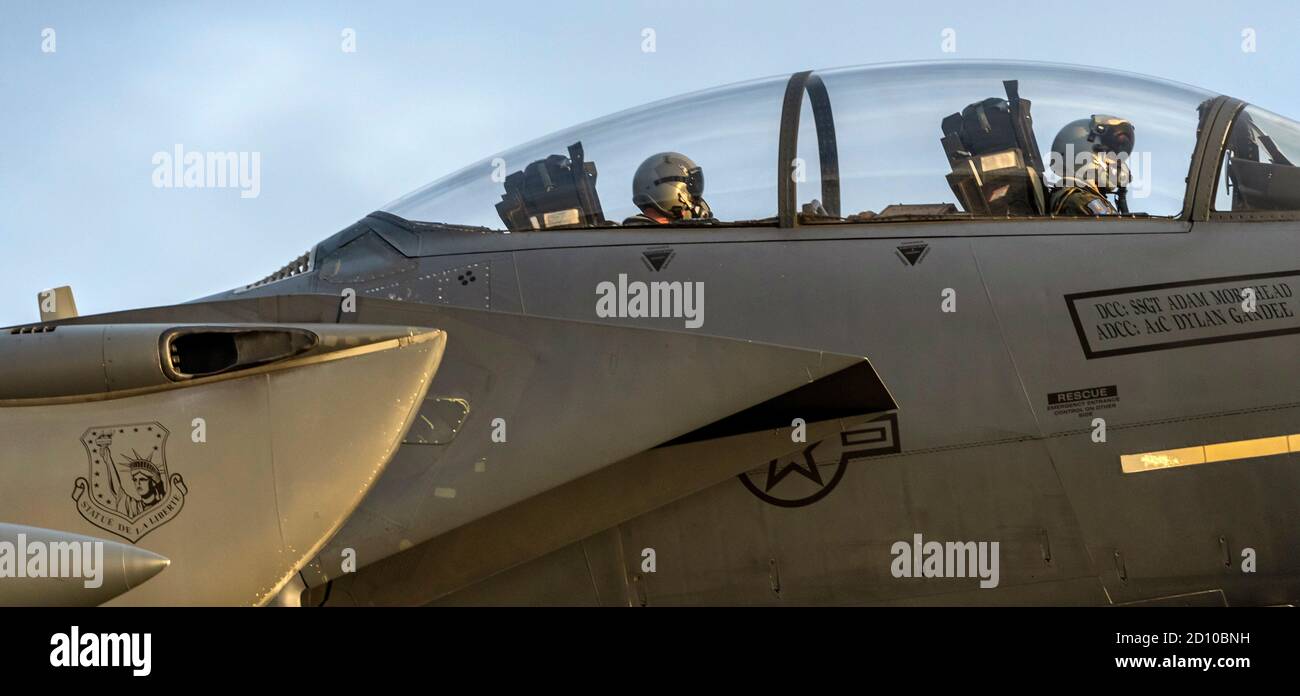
pixel 1260 166
pixel 888 118
pixel 730 132
pixel 887 130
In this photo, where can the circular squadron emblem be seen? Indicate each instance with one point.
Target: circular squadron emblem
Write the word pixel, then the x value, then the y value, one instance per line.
pixel 809 486
pixel 129 491
pixel 805 477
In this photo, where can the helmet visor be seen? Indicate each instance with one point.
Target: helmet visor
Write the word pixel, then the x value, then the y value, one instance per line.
pixel 1111 134
pixel 694 181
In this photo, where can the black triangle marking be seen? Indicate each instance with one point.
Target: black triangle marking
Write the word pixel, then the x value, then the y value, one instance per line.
pixel 912 252
pixel 658 258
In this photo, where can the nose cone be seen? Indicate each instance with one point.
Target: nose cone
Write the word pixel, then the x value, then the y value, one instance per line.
pixel 138 565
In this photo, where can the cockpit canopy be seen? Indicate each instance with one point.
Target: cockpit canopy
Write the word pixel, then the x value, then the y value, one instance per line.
pixel 730 131
pixel 1260 169
pixel 876 143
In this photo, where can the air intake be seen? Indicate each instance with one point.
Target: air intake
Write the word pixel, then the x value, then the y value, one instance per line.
pixel 205 351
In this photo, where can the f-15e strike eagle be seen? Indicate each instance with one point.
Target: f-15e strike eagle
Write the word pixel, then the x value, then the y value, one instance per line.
pixel 939 365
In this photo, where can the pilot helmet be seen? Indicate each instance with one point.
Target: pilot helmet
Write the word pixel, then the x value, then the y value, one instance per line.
pixel 1094 152
pixel 672 184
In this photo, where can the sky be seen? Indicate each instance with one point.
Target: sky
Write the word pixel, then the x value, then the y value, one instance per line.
pixel 92 92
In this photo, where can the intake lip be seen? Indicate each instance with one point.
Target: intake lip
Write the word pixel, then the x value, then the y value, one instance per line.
pixel 202 351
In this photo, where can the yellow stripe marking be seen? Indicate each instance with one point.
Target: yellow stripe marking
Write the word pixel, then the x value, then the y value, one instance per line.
pixel 1210 453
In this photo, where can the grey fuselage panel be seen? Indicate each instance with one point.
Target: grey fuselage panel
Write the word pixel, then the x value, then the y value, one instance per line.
pixel 1001 342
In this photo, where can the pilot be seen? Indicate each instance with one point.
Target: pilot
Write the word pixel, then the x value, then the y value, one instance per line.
pixel 668 187
pixel 1091 157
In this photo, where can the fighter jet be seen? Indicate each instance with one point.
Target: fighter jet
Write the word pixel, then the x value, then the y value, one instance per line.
pixel 902 355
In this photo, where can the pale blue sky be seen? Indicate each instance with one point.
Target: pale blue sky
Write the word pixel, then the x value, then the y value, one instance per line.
pixel 433 86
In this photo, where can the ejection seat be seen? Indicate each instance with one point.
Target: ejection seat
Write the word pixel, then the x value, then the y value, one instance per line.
pixel 996 165
pixel 557 192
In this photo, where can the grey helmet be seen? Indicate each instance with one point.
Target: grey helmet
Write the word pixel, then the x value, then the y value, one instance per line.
pixel 672 184
pixel 1094 152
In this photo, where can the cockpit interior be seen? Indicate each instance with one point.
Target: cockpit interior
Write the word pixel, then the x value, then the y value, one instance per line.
pixel 916 141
